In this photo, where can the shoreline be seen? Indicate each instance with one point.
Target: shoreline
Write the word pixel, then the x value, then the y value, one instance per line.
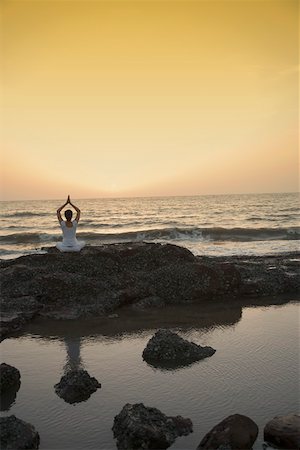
pixel 102 281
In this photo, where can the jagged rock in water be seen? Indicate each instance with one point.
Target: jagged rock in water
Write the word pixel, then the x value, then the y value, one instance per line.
pixel 167 349
pixel 17 434
pixel 76 386
pixel 9 378
pixel 235 432
pixel 140 427
pixel 283 431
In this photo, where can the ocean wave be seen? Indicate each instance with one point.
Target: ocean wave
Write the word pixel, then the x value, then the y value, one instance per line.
pixel 24 214
pixel 28 238
pixel 172 234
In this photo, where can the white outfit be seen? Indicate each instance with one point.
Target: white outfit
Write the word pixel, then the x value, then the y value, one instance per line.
pixel 69 243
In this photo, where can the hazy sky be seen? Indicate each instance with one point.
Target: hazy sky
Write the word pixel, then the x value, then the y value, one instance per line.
pixel 121 98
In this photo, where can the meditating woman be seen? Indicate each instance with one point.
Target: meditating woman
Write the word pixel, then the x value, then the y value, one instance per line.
pixel 69 243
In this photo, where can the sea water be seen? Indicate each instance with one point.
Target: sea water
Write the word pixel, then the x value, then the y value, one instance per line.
pixel 255 371
pixel 213 224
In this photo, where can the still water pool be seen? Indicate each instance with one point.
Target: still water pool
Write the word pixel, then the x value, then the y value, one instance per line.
pixel 255 371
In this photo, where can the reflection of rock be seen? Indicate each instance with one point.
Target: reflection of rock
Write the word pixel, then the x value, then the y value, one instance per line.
pixel 9 377
pixel 167 348
pixel 17 434
pixel 13 321
pixel 283 431
pixel 140 427
pixel 236 432
pixel 76 386
pixel 73 354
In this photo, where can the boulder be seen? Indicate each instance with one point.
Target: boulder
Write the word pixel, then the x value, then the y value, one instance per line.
pixel 236 432
pixel 17 434
pixel 283 431
pixel 167 349
pixel 76 386
pixel 9 378
pixel 141 427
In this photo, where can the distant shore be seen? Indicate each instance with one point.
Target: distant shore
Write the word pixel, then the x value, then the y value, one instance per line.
pixel 100 281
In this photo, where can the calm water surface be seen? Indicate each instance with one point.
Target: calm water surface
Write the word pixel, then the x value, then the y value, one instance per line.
pixel 255 371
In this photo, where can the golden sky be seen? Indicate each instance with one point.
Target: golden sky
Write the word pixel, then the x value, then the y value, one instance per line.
pixel 138 98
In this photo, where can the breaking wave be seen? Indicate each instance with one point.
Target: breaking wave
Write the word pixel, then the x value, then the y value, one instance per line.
pixel 166 234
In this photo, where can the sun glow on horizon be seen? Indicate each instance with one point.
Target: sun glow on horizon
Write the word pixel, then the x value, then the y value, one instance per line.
pixel 149 98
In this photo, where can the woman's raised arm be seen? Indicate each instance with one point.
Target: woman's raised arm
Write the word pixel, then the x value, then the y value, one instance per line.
pixel 76 209
pixel 58 212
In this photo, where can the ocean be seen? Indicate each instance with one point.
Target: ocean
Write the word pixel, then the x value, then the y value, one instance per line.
pixel 216 225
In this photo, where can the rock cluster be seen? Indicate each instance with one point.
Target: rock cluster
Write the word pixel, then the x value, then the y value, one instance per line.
pixel 236 432
pixel 167 349
pixel 17 434
pixel 283 431
pixel 76 386
pixel 139 427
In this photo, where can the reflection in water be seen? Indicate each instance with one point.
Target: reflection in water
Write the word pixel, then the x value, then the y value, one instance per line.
pixel 248 370
pixel 130 323
pixel 73 361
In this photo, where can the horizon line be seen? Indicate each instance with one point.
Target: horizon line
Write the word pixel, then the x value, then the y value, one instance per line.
pixel 152 196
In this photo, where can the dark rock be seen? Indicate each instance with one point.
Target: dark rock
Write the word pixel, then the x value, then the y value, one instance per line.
pixel 99 280
pixel 166 349
pixel 140 427
pixel 148 302
pixel 17 434
pixel 9 377
pixel 283 431
pixel 8 398
pixel 76 386
pixel 9 385
pixel 236 432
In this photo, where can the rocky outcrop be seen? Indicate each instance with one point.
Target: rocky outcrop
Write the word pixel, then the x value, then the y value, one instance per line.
pixel 236 432
pixel 99 280
pixel 76 386
pixel 141 427
pixel 283 432
pixel 17 434
pixel 9 378
pixel 167 349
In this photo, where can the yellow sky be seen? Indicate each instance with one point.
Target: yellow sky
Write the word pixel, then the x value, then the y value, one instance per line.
pixel 121 98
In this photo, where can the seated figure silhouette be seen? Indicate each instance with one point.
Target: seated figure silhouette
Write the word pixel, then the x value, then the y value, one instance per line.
pixel 69 227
